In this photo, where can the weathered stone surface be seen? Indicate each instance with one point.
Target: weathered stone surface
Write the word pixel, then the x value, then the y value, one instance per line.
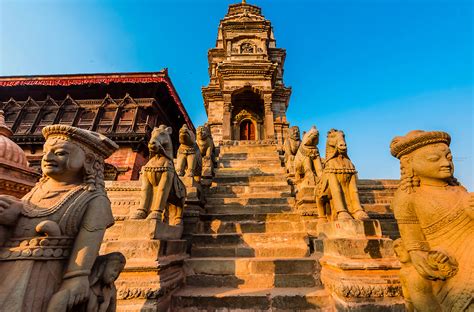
pixel 436 217
pixel 49 240
pixel 350 229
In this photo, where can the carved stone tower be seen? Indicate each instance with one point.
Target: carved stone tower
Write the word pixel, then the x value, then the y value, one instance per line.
pixel 246 98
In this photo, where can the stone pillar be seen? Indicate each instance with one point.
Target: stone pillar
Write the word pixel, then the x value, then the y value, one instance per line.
pixel 269 127
pixel 226 126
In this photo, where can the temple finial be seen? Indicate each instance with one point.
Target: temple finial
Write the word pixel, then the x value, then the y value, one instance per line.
pixel 244 1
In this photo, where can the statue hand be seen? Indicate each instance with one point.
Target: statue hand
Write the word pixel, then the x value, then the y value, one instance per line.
pixel 72 292
pixel 420 262
pixel 10 209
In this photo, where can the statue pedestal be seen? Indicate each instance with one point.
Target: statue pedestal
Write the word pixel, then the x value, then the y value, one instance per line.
pixel 359 267
pixel 151 229
pixel 193 206
pixel 154 268
pixel 306 200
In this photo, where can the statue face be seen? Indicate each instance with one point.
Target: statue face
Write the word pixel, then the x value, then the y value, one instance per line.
pixel 433 161
pixel 62 159
pixel 112 271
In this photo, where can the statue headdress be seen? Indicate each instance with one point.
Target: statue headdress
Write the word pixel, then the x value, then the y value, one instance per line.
pixel 413 140
pixel 91 143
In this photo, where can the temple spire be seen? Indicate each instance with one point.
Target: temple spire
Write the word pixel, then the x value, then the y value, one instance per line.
pixel 244 2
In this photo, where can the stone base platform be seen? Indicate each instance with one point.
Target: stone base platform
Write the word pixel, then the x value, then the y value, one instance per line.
pixel 359 267
pixel 194 299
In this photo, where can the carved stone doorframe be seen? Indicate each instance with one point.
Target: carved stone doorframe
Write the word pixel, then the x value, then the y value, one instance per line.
pixel 242 116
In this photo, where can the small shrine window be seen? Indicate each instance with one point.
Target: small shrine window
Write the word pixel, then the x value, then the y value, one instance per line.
pixel 47 118
pixel 106 121
pixel 86 120
pixel 12 110
pixel 142 120
pixel 68 112
pixel 125 123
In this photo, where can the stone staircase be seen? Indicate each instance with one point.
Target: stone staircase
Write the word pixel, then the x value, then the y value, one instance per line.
pixel 251 252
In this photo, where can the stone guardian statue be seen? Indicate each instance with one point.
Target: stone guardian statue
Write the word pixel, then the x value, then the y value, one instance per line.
pixel 292 143
pixel 337 189
pixel 434 215
pixel 308 166
pixel 52 243
pixel 206 148
pixel 188 162
pixel 163 192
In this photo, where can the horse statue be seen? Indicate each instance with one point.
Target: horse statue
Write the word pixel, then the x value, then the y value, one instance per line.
pixel 188 162
pixel 162 190
pixel 308 167
pixel 337 194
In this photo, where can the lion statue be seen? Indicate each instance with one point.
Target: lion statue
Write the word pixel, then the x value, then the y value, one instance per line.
pixel 337 195
pixel 189 158
pixel 163 193
pixel 308 167
pixel 292 143
pixel 206 148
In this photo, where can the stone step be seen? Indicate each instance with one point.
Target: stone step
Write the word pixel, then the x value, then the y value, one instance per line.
pixel 249 163
pixel 250 201
pixel 274 194
pixel 236 217
pixel 250 226
pixel 281 251
pixel 251 149
pixel 254 179
pixel 249 239
pixel 377 184
pixel 242 189
pixel 377 208
pixel 247 209
pixel 252 272
pixel 249 171
pixel 201 299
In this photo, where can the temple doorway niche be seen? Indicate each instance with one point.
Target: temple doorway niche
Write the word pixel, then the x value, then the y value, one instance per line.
pixel 247 130
pixel 247 115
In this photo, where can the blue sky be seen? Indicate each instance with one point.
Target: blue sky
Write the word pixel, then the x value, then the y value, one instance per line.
pixel 373 68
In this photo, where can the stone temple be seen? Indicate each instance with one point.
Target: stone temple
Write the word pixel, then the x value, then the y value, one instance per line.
pixel 242 213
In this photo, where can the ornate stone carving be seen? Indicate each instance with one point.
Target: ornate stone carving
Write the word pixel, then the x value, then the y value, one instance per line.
pixel 337 190
pixel 292 143
pixel 245 114
pixel 434 215
pixel 206 148
pixel 308 167
pixel 247 47
pixel 103 293
pixel 56 230
pixel 189 157
pixel 163 192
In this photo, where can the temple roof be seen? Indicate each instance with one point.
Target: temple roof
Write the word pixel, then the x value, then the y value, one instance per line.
pixel 15 84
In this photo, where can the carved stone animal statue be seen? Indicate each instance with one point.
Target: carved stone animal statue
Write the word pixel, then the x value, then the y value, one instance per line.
pixel 189 157
pixel 162 190
pixel 292 143
pixel 337 189
pixel 308 167
pixel 207 150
